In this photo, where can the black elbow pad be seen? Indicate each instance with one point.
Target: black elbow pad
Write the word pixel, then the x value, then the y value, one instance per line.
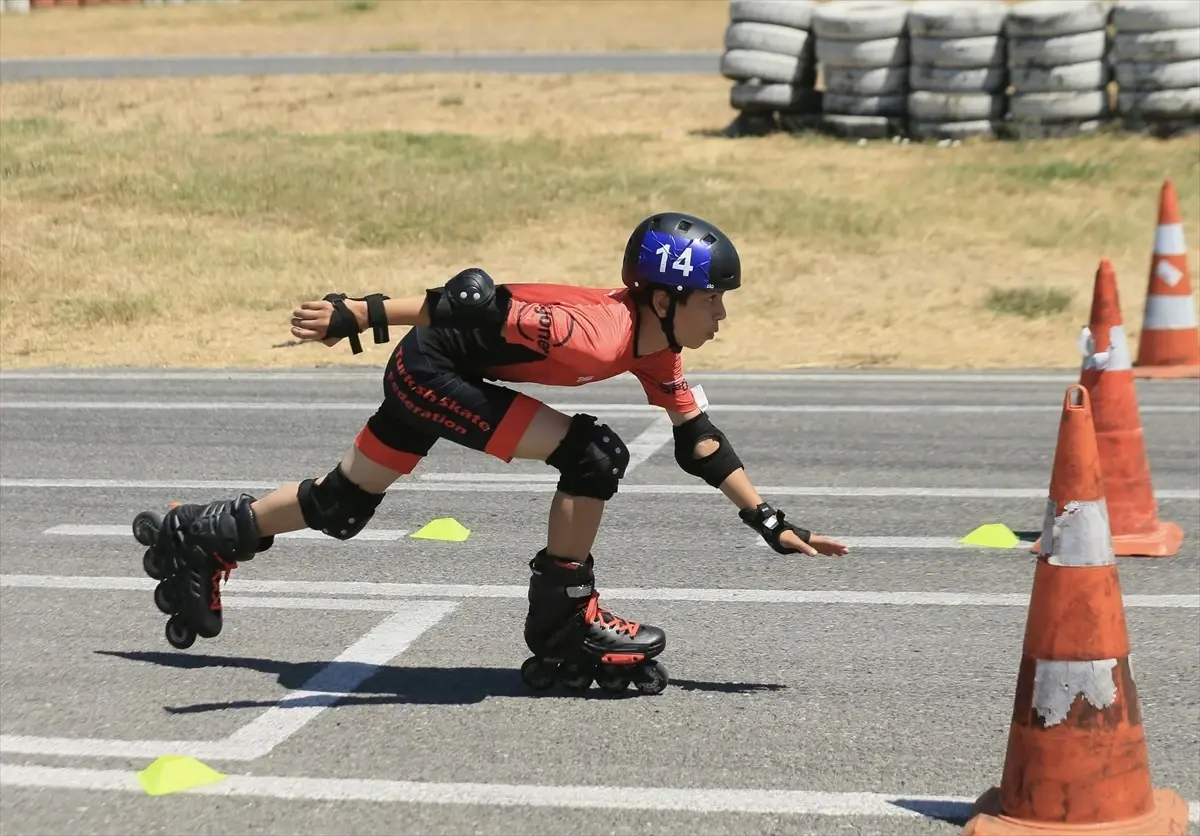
pixel 468 300
pixel 714 468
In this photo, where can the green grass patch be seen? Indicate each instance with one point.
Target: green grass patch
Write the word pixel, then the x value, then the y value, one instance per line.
pixel 1028 302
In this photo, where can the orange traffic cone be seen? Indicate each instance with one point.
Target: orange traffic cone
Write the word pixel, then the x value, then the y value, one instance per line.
pixel 1107 374
pixel 1170 341
pixel 1076 761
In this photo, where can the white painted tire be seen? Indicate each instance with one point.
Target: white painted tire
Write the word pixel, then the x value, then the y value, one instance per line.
pixel 985 51
pixel 955 107
pixel 1166 45
pixel 1057 50
pixel 1154 15
pixel 958 79
pixel 1170 104
pixel 794 13
pixel 873 81
pixel 888 52
pixel 956 18
pixel 860 20
pixel 1049 18
pixel 769 37
pixel 1152 76
pixel 747 95
pixel 920 130
pixel 745 64
pixel 1059 107
pixel 1089 75
pixel 861 127
pixel 894 105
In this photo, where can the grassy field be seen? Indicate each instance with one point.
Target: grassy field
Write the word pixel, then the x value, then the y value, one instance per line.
pixel 179 221
pixel 261 26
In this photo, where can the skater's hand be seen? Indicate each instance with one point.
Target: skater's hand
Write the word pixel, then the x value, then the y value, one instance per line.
pixel 816 544
pixel 311 320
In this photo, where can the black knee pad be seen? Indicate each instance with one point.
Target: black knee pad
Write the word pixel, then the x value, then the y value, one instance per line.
pixel 591 458
pixel 337 506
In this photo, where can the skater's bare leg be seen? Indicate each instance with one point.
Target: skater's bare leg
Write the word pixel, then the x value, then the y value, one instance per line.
pixel 573 521
pixel 279 511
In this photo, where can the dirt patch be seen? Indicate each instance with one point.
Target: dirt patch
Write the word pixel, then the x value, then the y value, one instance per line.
pixel 179 221
pixel 283 26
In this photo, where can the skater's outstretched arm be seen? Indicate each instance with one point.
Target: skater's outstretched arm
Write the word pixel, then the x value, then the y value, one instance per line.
pixel 314 320
pixel 702 450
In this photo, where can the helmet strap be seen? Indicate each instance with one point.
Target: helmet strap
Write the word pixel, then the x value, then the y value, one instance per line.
pixel 668 326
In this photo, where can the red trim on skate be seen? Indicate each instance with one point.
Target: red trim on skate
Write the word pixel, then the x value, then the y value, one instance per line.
pixel 622 658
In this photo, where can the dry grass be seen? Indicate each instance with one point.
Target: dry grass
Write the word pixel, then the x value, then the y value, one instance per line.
pixel 266 26
pixel 140 229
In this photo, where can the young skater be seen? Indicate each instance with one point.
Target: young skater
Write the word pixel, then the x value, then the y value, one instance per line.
pixel 464 334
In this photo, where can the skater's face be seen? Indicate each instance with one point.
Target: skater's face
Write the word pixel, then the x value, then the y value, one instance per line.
pixel 697 319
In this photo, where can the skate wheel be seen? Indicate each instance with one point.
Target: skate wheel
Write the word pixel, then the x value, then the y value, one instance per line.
pixel 538 674
pixel 611 680
pixel 179 634
pixel 653 678
pixel 166 597
pixel 575 677
pixel 154 565
pixel 146 526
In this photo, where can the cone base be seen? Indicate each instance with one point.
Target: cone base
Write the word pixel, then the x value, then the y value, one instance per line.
pixel 1164 541
pixel 1166 372
pixel 1169 818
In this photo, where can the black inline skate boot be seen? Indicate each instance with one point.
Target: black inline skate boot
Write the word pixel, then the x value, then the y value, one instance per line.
pixel 189 552
pixel 574 640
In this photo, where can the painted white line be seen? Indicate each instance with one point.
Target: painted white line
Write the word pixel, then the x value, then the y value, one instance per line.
pixel 855 542
pixel 688 800
pixel 74 530
pixel 384 642
pixel 648 442
pixel 608 409
pixel 718 596
pixel 350 373
pixel 350 669
pixel 516 486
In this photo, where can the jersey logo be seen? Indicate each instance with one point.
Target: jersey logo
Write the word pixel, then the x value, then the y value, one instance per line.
pixel 672 386
pixel 538 324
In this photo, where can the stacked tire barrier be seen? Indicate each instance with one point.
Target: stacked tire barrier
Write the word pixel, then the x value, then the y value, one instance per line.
pixel 769 55
pixel 863 50
pixel 1156 56
pixel 1057 67
pixel 958 75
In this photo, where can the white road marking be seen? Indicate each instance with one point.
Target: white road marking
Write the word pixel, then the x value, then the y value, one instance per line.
pixel 691 800
pixel 462 483
pixel 356 664
pixel 686 594
pixel 607 409
pixel 389 534
pixel 648 442
pixel 78 530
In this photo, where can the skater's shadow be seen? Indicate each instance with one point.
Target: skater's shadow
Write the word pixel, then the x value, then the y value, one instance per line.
pixel 389 685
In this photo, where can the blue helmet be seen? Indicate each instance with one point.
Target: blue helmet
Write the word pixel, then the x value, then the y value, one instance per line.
pixel 680 251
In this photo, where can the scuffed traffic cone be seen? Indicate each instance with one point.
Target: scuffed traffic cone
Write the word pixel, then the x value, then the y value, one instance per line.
pixel 1170 341
pixel 1076 761
pixel 1108 377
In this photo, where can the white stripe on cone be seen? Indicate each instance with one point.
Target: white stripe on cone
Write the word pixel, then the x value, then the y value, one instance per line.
pixel 1168 240
pixel 1080 536
pixel 1115 359
pixel 1164 313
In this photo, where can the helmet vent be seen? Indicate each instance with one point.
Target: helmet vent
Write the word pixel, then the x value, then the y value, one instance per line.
pixel 709 239
pixel 684 226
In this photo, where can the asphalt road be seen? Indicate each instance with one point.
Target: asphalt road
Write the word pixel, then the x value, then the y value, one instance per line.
pixel 518 63
pixel 371 686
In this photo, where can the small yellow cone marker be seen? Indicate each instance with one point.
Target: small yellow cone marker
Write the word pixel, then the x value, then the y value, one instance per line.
pixel 992 535
pixel 444 528
pixel 175 773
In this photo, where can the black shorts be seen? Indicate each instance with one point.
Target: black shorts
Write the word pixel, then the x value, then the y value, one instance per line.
pixel 426 397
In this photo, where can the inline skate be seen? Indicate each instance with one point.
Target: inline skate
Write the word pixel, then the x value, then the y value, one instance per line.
pixel 190 550
pixel 575 641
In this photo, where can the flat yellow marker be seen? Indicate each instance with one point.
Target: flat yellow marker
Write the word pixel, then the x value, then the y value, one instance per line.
pixel 992 535
pixel 443 528
pixel 175 773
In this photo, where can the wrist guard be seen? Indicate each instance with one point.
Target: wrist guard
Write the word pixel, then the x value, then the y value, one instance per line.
pixel 770 524
pixel 345 324
pixel 469 299
pixel 713 468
